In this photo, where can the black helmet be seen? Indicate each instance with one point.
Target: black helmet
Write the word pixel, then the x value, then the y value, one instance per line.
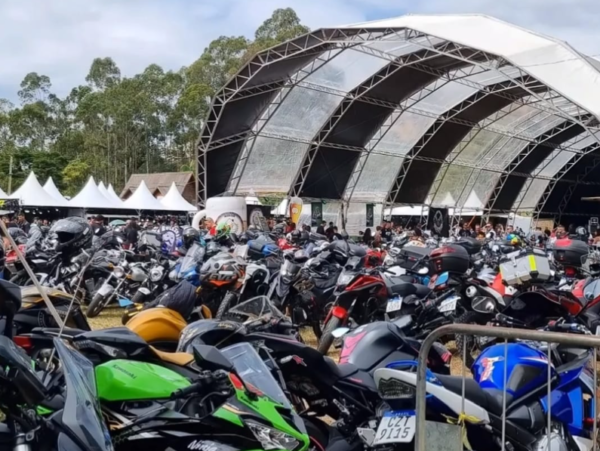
pixel 295 236
pixel 70 233
pixel 190 236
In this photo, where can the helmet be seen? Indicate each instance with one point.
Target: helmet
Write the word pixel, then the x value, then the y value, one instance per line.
pixel 515 240
pixel 71 233
pixel 295 236
pixel 223 230
pixel 190 236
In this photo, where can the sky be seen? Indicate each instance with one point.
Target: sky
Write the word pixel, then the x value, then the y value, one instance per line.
pixel 60 38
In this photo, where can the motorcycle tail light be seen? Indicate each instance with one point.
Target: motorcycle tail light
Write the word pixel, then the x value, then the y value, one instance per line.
pixel 395 389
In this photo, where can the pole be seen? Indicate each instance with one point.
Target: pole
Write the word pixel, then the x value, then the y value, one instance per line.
pixel 31 274
pixel 10 166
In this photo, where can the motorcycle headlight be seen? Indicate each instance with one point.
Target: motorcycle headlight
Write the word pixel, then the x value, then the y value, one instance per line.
pixel 155 275
pixel 118 272
pixel 272 439
pixel 345 279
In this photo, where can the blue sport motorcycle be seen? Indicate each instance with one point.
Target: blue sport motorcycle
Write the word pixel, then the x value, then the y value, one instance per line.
pixel 571 403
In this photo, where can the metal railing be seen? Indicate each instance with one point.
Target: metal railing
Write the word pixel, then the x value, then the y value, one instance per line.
pixel 583 341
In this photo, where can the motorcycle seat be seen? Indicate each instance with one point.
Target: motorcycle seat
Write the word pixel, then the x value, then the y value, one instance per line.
pixel 342 370
pixel 400 288
pixel 68 331
pixel 422 290
pixel 356 251
pixel 474 393
pixel 176 358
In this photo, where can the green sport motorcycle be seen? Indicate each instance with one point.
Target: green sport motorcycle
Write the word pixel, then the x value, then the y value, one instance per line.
pixel 233 403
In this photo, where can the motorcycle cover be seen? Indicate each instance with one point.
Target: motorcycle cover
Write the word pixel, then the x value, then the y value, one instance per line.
pixel 181 298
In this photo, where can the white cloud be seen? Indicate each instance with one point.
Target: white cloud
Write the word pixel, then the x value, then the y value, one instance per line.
pixel 60 38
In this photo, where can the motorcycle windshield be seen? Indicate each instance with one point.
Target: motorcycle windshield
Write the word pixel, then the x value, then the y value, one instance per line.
pixel 250 367
pixel 194 256
pixel 256 308
pixel 82 415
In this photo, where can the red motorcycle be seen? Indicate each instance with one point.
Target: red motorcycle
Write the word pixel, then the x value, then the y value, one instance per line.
pixel 361 295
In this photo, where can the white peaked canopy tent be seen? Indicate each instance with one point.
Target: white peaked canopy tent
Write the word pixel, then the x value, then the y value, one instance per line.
pixel 31 193
pixel 117 202
pixel 174 201
pixel 113 195
pixel 3 194
pixel 91 197
pixel 51 189
pixel 142 199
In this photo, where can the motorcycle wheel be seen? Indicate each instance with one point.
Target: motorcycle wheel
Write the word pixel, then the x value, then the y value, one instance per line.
pixel 138 297
pixel 327 338
pixel 225 304
pixel 467 342
pixel 96 306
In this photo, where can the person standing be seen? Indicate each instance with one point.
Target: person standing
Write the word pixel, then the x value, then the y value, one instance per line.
pixel 131 233
pixel 321 228
pixel 377 240
pixel 98 225
pixel 329 232
pixel 22 223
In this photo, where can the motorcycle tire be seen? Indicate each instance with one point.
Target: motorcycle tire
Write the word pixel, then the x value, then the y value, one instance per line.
pixel 317 330
pixel 138 297
pixel 225 304
pixel 466 341
pixel 96 306
pixel 327 338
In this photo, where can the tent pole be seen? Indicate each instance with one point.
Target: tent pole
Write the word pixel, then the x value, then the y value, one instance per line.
pixel 31 274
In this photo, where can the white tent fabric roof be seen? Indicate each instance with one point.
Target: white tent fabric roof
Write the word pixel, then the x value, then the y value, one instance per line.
pixel 118 202
pixel 51 189
pixel 113 195
pixel 31 193
pixel 142 199
pixel 174 201
pixel 2 193
pixel 546 87
pixel 550 60
pixel 91 197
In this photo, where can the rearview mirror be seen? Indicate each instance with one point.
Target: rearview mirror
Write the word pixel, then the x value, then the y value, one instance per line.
pixel 340 332
pixel 210 358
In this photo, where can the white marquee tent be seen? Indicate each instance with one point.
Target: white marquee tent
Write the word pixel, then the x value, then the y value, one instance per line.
pixel 32 194
pixel 142 199
pixel 115 201
pixel 51 189
pixel 3 194
pixel 113 195
pixel 91 197
pixel 173 200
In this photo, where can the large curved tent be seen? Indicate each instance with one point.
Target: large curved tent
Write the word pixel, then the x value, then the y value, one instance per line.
pixel 458 111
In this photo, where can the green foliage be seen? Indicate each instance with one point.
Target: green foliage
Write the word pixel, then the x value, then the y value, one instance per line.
pixel 74 175
pixel 114 125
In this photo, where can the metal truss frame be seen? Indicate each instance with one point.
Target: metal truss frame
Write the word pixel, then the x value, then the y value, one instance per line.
pixel 523 154
pixel 541 203
pixel 358 93
pixel 270 110
pixel 322 40
pixel 436 126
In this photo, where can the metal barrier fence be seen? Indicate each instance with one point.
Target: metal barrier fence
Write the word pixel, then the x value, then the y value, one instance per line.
pixel 583 341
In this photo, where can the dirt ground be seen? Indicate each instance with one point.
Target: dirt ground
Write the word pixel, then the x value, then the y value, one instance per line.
pixel 112 318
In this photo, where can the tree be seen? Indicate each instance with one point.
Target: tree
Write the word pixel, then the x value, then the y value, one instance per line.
pixel 34 88
pixel 103 74
pixel 115 125
pixel 74 176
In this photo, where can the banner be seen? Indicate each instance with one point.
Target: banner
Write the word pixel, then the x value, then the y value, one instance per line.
pixel 370 215
pixel 257 216
pixel 295 209
pixel 316 211
pixel 439 222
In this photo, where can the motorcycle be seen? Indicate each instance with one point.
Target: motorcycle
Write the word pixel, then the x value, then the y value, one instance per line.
pixel 525 371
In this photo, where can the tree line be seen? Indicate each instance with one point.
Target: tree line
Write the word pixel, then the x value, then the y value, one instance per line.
pixel 113 126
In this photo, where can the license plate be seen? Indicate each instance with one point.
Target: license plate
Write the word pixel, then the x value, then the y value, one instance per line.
pixel 449 305
pixel 396 427
pixel 105 289
pixel 394 304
